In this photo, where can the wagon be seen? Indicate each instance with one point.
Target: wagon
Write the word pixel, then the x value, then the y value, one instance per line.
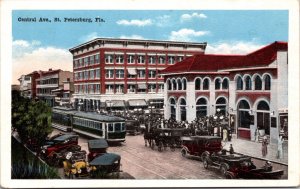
pixel 97 147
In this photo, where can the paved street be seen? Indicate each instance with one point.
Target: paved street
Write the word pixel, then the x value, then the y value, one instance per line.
pixel 144 163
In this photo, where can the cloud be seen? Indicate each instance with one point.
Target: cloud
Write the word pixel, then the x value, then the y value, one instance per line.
pixel 236 47
pixel 139 23
pixel 186 34
pixel 162 21
pixel 187 17
pixel 33 57
pixel 131 37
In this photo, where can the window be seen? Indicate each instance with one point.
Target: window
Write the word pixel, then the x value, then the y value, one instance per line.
pixel 80 62
pixel 86 88
pixel 161 59
pixel 171 59
pixel 257 83
pixel 119 74
pixel 109 73
pixel 263 116
pixel 206 84
pixel 97 61
pixel 92 90
pixel 109 89
pixel 239 83
pixel 225 83
pixel 152 73
pixel 92 74
pixel 119 88
pixel 174 84
pixel 86 61
pixel 91 60
pixel 221 106
pixel 218 84
pixel 198 84
pixel 109 58
pixel 152 88
pixel 110 127
pixel 131 88
pixel 201 107
pixel 119 59
pixel 248 83
pixel 152 59
pixel 160 88
pixel 141 73
pixel 130 59
pixel 267 82
pixel 179 58
pixel 97 88
pixel 173 108
pixel 75 63
pixel 141 59
pixel 97 73
pixel 244 118
pixel 179 84
pixel 117 127
pixel 182 106
pixel 86 74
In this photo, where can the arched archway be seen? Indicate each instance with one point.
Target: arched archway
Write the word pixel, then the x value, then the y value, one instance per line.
pixel 172 103
pixel 244 119
pixel 201 107
pixel 239 83
pixel 179 84
pixel 257 83
pixel 182 106
pixel 221 105
pixel 198 84
pixel 184 82
pixel 218 84
pixel 267 82
pixel 263 116
pixel 225 83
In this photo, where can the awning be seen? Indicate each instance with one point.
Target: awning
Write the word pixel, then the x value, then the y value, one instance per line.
pixel 142 86
pixel 131 71
pixel 115 103
pixel 137 103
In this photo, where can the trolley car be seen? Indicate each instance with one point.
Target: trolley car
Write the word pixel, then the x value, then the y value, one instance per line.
pixel 95 125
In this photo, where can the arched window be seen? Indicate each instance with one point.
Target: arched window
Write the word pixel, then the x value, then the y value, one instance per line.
pixel 201 107
pixel 218 84
pixel 169 85
pixel 184 84
pixel 225 83
pixel 182 105
pixel 221 106
pixel 258 83
pixel 244 118
pixel 179 84
pixel 174 84
pixel 239 83
pixel 206 84
pixel 173 108
pixel 198 84
pixel 248 83
pixel 263 116
pixel 267 82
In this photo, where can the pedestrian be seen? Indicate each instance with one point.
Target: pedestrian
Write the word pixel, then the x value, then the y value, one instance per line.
pixel 279 148
pixel 225 136
pixel 256 135
pixel 231 151
pixel 264 147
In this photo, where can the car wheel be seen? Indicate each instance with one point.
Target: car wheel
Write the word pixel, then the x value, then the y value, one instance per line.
pixel 183 153
pixel 205 163
pixel 224 168
pixel 229 175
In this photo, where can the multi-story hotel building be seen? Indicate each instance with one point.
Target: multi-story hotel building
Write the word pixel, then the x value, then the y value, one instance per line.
pixel 116 72
pixel 28 84
pixel 50 86
pixel 251 88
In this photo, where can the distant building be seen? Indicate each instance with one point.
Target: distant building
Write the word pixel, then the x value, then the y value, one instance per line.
pixel 115 73
pixel 50 86
pixel 251 88
pixel 25 86
pixel 15 87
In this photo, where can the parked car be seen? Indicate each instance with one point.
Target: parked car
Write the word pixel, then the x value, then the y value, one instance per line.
pixel 96 147
pixel 57 144
pixel 200 146
pixel 75 165
pixel 132 127
pixel 56 158
pixel 105 164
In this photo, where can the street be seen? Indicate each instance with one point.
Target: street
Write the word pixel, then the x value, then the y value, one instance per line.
pixel 144 163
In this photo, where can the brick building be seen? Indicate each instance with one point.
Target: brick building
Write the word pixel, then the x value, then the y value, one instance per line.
pixel 251 88
pixel 123 72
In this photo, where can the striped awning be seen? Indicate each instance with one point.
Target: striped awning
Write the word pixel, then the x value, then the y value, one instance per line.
pixel 115 103
pixel 137 103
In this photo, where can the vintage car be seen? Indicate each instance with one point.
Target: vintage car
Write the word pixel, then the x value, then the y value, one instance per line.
pixel 200 145
pixel 163 138
pixel 96 147
pixel 57 157
pixel 133 127
pixel 105 164
pixel 248 170
pixel 75 165
pixel 57 144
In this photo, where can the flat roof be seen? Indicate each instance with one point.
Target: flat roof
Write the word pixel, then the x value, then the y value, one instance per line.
pixel 98 117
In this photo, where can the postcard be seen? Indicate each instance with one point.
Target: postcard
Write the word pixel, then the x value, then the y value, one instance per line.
pixel 149 94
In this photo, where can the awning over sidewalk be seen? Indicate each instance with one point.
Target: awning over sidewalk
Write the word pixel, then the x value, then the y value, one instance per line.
pixel 142 86
pixel 115 103
pixel 137 103
pixel 131 71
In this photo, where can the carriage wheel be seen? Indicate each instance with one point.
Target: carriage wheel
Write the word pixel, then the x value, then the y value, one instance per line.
pixel 224 168
pixel 183 153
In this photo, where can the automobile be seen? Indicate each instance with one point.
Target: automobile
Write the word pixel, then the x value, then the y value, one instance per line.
pixel 104 165
pixel 247 170
pixel 75 165
pixel 132 127
pixel 200 146
pixel 163 138
pixel 57 144
pixel 57 157
pixel 96 147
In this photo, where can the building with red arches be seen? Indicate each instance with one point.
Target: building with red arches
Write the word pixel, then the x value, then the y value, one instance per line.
pixel 251 88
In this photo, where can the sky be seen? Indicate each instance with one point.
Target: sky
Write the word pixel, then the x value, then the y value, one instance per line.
pixel 43 45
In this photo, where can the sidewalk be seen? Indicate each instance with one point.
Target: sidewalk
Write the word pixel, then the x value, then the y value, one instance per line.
pixel 253 149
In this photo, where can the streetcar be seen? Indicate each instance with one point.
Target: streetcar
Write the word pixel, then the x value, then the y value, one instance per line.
pixel 94 125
